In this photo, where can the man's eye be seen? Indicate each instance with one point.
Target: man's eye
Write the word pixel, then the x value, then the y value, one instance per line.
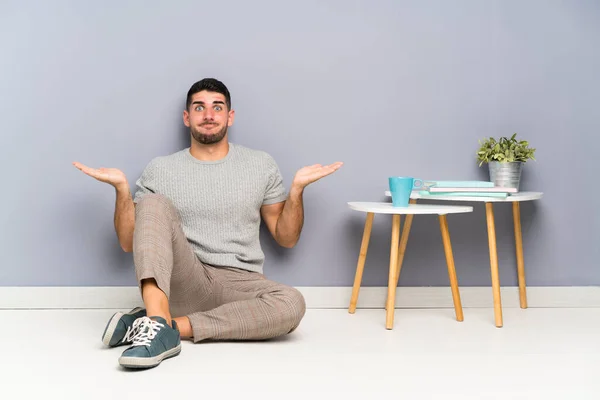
pixel 218 108
pixel 199 108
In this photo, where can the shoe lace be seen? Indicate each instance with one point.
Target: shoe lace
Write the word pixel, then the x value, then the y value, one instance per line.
pixel 132 330
pixel 147 330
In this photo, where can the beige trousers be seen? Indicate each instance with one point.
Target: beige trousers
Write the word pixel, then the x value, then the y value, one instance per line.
pixel 221 303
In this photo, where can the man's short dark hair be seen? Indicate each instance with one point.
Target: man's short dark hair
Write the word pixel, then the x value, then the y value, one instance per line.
pixel 211 85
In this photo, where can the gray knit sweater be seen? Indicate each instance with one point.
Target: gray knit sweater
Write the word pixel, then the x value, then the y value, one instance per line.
pixel 219 201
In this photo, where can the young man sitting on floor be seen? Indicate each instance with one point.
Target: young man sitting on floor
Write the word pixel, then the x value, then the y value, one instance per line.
pixel 193 226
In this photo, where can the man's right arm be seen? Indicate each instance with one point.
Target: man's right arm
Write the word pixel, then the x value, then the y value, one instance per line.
pixel 124 207
pixel 124 217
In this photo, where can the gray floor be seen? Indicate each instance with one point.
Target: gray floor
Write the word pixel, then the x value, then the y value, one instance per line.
pixel 538 354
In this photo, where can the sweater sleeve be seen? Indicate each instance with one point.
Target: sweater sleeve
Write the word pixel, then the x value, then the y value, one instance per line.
pixel 147 182
pixel 275 191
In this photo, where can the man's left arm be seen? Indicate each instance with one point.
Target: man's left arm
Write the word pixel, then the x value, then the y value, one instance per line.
pixel 286 219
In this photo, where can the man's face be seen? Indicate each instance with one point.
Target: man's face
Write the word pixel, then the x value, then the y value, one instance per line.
pixel 208 117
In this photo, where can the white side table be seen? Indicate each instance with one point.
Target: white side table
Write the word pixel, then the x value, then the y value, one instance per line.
pixel 398 248
pixel 515 199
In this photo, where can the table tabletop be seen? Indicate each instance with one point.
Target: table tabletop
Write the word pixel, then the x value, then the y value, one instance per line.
pixel 388 208
pixel 520 196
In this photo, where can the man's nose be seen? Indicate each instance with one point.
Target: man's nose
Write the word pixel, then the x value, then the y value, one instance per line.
pixel 209 114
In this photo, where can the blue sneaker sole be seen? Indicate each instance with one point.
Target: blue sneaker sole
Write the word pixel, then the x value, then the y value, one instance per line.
pixel 112 325
pixel 149 362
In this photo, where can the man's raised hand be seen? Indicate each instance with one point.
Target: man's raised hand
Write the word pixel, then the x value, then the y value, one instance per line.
pixel 112 176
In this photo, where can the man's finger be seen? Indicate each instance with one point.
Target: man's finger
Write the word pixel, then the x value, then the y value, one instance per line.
pixel 94 173
pixel 330 169
pixel 324 172
pixel 81 167
pixel 89 171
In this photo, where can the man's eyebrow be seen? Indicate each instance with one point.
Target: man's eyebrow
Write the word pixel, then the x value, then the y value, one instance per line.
pixel 214 102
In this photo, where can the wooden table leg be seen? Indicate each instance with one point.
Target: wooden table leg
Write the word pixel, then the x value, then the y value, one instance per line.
pixel 451 269
pixel 519 247
pixel 361 262
pixel 491 227
pixel 391 297
pixel 404 240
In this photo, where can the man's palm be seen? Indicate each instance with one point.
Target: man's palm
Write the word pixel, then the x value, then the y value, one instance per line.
pixel 313 173
pixel 112 176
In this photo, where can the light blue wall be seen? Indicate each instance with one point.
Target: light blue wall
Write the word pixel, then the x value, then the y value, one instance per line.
pixel 388 87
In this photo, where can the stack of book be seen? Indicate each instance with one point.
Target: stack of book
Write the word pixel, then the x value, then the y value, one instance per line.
pixel 464 188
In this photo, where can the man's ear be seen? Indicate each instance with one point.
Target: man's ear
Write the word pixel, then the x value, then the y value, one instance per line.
pixel 231 118
pixel 186 118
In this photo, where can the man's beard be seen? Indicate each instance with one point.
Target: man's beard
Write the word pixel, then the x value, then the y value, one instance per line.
pixel 210 138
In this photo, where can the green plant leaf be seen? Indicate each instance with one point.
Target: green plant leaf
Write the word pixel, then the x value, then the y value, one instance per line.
pixel 504 149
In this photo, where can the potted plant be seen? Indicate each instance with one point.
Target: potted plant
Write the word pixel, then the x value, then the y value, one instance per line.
pixel 505 158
